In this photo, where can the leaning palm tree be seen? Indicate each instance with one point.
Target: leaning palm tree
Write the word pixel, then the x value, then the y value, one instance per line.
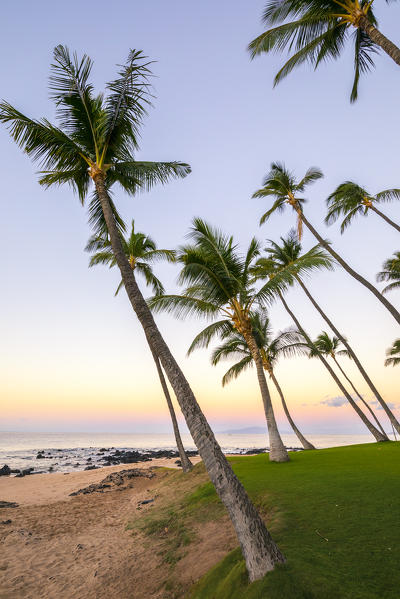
pixel 281 185
pixel 271 349
pixel 350 200
pixel 219 284
pixel 393 354
pixel 267 269
pixel 390 272
pixel 287 255
pixel 142 252
pixel 318 30
pixel 331 348
pixel 93 147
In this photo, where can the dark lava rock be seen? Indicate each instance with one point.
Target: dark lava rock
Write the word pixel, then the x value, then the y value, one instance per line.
pixel 40 456
pixel 103 449
pixel 16 471
pixel 93 467
pixel 25 472
pixel 8 504
pixel 114 479
pixel 256 451
pixel 6 522
pixel 145 501
pixel 89 460
pixel 5 471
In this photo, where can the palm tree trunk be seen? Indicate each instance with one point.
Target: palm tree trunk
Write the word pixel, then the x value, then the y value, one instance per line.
pixel 348 268
pixel 185 462
pixel 378 37
pixel 277 450
pixel 260 552
pixel 374 431
pixel 386 218
pixel 358 394
pixel 306 444
pixel 357 362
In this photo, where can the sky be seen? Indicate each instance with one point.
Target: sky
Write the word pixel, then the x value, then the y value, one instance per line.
pixel 73 357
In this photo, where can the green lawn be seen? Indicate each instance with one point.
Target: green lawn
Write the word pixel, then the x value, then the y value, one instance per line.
pixel 335 513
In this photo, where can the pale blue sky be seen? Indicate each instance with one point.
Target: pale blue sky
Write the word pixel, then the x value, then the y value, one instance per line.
pixel 217 110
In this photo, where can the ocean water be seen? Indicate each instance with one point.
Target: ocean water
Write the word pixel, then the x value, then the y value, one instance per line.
pixel 66 452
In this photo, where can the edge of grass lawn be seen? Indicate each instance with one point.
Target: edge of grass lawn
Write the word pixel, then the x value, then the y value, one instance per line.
pixel 335 515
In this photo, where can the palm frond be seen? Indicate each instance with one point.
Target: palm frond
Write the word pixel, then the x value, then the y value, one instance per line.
pixel 182 306
pixel 221 328
pixel 234 371
pixel 127 104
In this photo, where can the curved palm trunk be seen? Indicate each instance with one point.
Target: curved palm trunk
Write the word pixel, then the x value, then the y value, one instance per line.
pixel 374 431
pixel 306 444
pixel 277 450
pixel 357 362
pixel 185 462
pixel 386 218
pixel 348 268
pixel 360 397
pixel 260 552
pixel 376 36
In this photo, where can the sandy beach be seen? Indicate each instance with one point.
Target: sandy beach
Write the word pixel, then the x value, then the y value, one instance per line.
pixel 56 546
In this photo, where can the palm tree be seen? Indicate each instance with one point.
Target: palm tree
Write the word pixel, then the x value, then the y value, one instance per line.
pixel 95 144
pixel 288 256
pixel 391 272
pixel 271 348
pixel 318 30
pixel 142 252
pixel 351 200
pixel 219 284
pixel 393 354
pixel 268 269
pixel 282 185
pixel 330 347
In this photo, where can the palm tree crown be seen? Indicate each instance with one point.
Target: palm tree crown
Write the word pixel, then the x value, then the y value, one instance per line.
pixel 315 31
pixel 328 346
pixel 285 343
pixel 390 272
pixel 393 354
pixel 218 281
pixel 286 259
pixel 350 200
pixel 97 135
pixel 141 251
pixel 281 184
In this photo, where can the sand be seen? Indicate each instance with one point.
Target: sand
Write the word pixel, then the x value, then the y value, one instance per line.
pixel 62 547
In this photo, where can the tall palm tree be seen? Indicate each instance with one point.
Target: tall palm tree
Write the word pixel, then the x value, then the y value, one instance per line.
pixel 393 354
pixel 288 256
pixel 271 349
pixel 219 284
pixel 141 252
pixel 390 272
pixel 94 145
pixel 318 30
pixel 330 347
pixel 281 184
pixel 350 200
pixel 267 269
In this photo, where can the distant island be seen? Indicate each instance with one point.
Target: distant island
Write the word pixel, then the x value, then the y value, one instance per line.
pixel 250 430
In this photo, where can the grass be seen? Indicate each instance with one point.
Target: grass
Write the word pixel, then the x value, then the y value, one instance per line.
pixel 335 515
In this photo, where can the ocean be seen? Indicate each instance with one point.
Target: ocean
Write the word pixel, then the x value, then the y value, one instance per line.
pixel 67 452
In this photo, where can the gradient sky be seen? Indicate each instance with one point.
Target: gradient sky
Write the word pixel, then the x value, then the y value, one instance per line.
pixel 73 358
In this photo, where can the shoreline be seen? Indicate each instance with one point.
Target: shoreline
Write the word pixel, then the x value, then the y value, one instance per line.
pixel 41 489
